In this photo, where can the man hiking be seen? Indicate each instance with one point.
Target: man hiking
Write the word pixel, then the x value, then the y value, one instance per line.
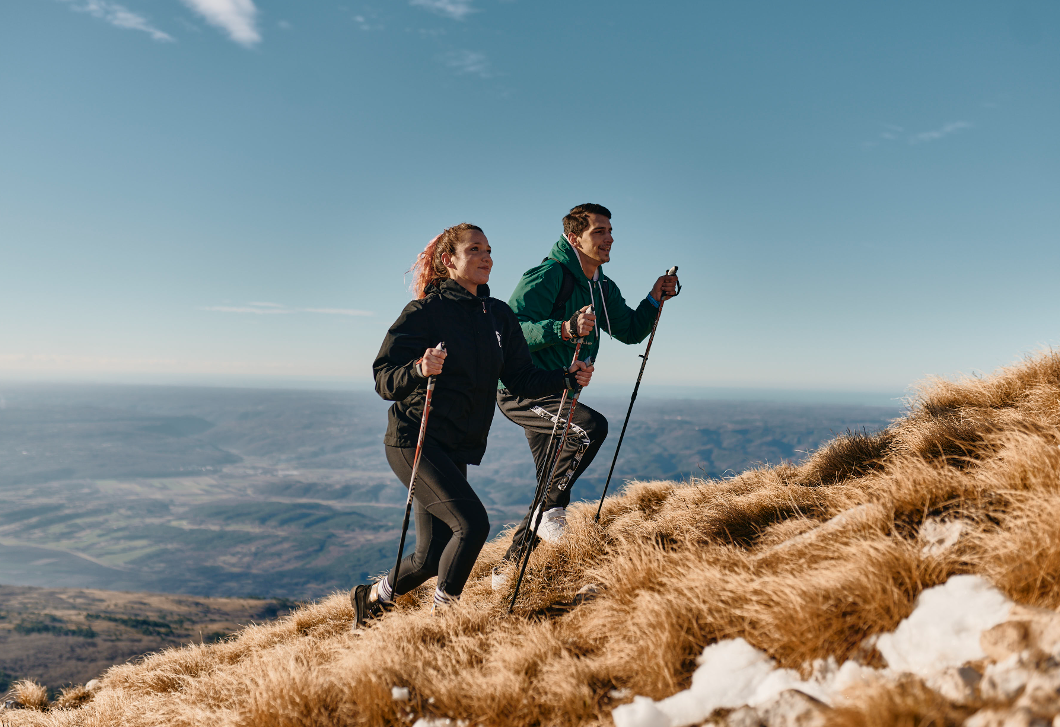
pixel 552 303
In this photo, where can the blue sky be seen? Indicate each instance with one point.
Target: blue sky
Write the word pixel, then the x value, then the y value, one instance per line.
pixel 858 195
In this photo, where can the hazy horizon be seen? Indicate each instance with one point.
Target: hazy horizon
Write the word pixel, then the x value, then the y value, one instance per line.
pixel 655 391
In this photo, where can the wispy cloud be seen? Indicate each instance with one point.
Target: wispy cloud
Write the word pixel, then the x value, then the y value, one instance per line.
pixel 264 309
pixel 337 311
pixel 939 133
pixel 896 133
pixel 455 9
pixel 245 309
pixel 368 22
pixel 238 18
pixel 120 17
pixel 37 361
pixel 469 62
pixel 892 132
pixel 43 364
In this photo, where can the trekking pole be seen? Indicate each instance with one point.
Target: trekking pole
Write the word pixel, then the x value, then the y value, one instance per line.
pixel 636 388
pixel 538 491
pixel 415 466
pixel 529 542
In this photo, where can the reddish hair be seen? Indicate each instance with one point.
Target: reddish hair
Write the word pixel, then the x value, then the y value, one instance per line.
pixel 428 269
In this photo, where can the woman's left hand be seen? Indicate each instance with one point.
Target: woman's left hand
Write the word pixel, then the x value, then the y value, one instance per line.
pixel 582 372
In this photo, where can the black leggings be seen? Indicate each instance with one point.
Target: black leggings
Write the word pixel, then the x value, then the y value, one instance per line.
pixel 451 522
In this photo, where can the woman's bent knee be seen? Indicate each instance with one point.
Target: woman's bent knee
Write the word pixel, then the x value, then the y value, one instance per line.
pixel 477 525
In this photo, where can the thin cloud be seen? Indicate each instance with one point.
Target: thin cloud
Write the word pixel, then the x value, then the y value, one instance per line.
pixel 120 17
pixel 261 308
pixel 366 23
pixel 946 130
pixel 337 311
pixel 455 9
pixel 238 18
pixel 469 62
pixel 37 361
pixel 244 309
pixel 892 132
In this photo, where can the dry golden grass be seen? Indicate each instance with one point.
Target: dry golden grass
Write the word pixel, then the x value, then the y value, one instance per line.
pixel 30 694
pixel 907 703
pixel 679 566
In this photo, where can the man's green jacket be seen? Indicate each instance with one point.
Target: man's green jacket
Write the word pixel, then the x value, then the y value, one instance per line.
pixel 537 291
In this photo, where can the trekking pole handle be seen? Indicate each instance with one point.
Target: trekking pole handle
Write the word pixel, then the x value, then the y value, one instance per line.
pixel 673 271
pixel 430 379
pixel 572 325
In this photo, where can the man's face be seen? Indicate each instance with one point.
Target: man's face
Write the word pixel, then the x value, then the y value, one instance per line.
pixel 595 241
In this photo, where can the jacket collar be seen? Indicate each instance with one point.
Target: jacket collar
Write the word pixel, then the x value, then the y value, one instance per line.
pixel 455 291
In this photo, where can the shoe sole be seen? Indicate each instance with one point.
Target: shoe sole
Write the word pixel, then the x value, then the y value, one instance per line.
pixel 359 601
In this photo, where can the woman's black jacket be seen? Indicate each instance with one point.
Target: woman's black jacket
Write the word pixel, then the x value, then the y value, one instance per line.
pixel 483 343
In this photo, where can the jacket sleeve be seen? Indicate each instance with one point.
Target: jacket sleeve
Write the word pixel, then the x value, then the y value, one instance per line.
pixel 628 325
pixel 395 370
pixel 519 374
pixel 532 301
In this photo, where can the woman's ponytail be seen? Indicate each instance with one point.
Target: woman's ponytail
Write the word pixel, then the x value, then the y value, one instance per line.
pixel 428 269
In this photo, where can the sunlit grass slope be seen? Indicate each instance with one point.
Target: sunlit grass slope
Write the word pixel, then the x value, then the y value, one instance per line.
pixel 678 566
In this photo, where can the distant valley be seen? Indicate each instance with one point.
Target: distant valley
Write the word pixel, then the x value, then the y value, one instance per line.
pixel 59 637
pixel 239 492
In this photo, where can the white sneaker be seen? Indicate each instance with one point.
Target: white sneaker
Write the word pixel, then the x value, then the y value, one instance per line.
pixel 553 523
pixel 500 575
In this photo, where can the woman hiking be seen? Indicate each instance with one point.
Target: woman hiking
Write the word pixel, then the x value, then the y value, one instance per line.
pixel 483 344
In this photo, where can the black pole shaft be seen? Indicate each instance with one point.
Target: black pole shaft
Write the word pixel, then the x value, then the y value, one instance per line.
pixel 636 388
pixel 415 467
pixel 529 541
pixel 412 480
pixel 539 491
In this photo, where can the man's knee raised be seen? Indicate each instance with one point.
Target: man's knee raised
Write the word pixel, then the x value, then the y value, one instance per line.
pixel 599 427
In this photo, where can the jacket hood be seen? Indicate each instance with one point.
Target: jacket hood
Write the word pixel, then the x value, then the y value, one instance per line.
pixel 565 253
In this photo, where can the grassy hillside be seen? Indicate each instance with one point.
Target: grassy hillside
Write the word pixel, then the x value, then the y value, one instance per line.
pixel 679 566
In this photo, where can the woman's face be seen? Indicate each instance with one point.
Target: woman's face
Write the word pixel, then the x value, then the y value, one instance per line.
pixel 471 262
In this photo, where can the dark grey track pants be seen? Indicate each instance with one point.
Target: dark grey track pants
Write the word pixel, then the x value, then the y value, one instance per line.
pixel 537 416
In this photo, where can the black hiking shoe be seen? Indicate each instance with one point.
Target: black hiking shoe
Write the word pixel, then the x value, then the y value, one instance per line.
pixel 364 608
